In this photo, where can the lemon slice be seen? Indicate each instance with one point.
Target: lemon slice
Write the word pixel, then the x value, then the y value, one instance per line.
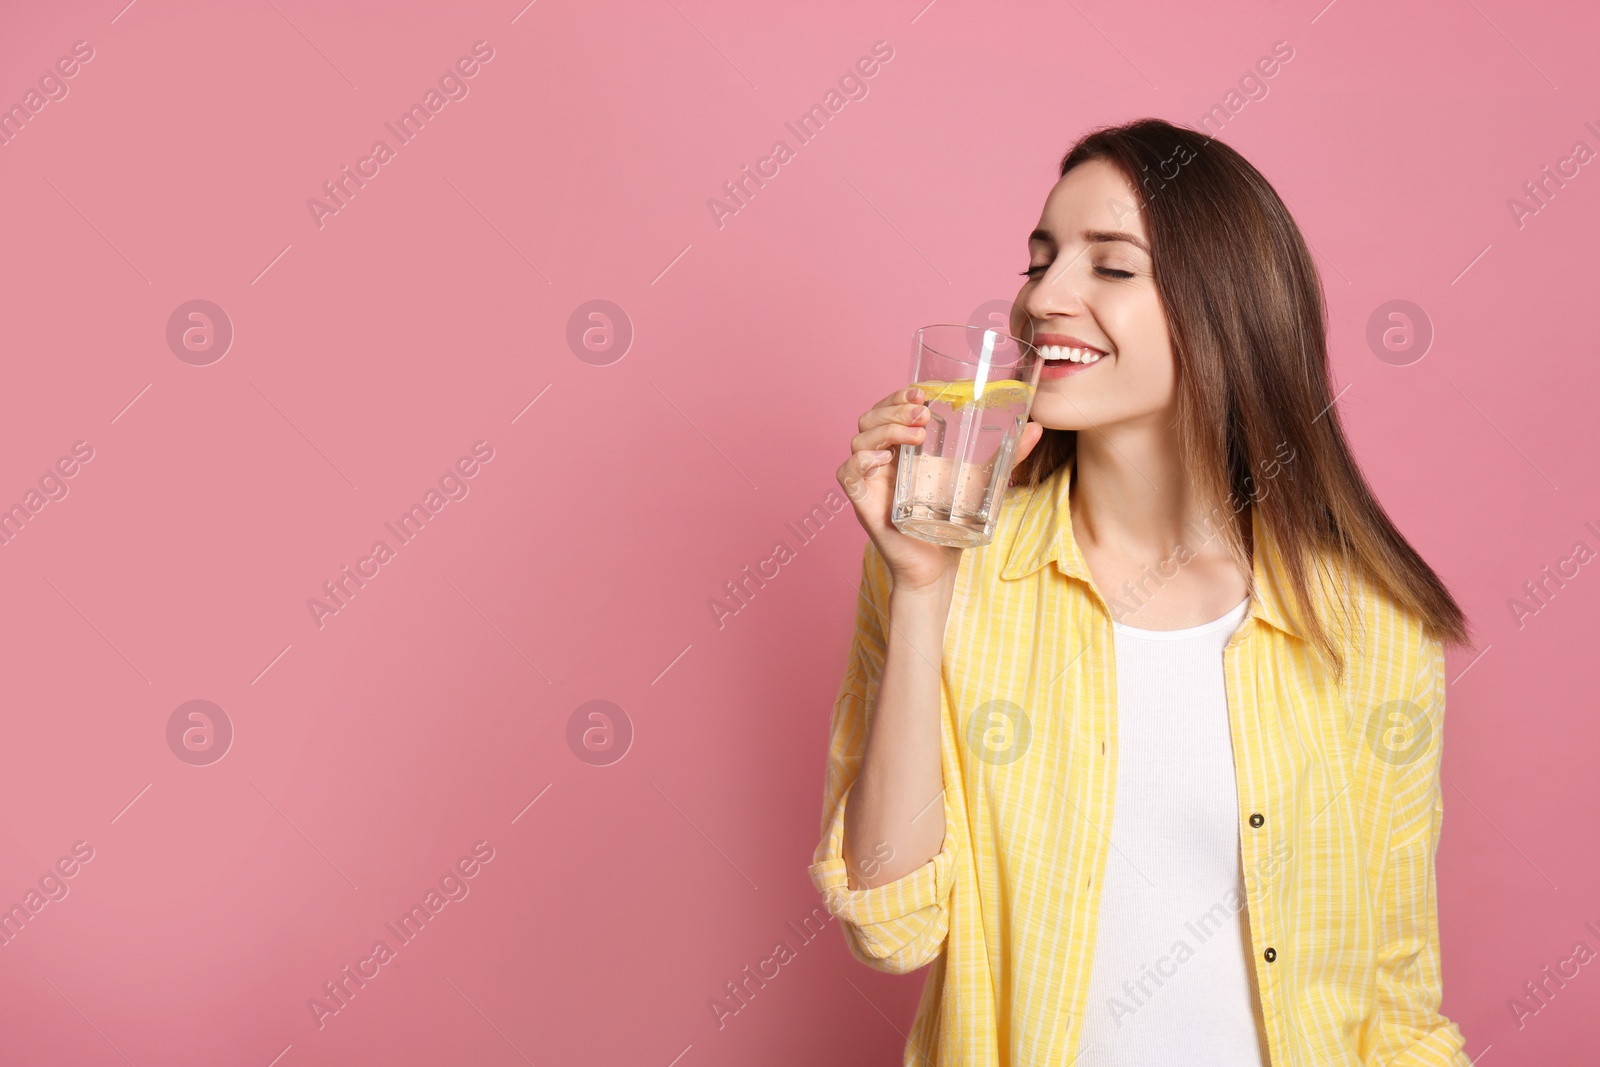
pixel 959 394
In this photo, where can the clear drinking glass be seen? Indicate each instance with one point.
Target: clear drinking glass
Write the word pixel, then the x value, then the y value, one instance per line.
pixel 978 384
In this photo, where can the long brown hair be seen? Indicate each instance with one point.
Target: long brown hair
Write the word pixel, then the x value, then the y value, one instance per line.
pixel 1246 311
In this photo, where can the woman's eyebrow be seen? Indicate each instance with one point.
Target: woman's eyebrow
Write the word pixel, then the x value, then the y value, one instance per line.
pixel 1094 237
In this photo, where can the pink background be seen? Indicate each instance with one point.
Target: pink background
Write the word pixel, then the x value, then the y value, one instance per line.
pixel 369 354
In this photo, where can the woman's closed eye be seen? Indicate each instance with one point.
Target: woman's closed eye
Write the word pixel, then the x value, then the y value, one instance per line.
pixel 1109 272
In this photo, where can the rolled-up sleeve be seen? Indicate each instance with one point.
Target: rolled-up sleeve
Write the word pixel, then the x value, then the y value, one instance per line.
pixel 901 925
pixel 1411 1032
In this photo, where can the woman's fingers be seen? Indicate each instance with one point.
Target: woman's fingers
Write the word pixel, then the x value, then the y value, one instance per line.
pixel 890 424
pixel 898 405
pixel 866 460
pixel 860 473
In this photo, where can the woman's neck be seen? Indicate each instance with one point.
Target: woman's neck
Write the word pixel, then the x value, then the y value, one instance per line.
pixel 1133 497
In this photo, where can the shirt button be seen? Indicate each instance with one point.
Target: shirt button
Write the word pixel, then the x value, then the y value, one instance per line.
pixel 1271 954
pixel 1256 818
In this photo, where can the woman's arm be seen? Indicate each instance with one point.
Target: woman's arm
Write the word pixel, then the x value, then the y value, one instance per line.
pixel 885 862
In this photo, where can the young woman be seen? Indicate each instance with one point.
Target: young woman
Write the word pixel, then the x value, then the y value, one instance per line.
pixel 1153 777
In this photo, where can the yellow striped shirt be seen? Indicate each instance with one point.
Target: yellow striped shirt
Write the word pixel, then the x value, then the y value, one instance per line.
pixel 1339 872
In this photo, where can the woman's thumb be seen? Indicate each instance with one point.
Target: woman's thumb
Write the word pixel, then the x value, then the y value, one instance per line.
pixel 1031 432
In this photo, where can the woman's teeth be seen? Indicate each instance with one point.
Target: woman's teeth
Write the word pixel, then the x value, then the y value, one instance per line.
pixel 1076 355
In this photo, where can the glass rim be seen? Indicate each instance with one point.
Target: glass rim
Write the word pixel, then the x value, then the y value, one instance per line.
pixel 1027 346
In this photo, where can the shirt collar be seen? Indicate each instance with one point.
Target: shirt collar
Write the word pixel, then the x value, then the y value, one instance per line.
pixel 1044 535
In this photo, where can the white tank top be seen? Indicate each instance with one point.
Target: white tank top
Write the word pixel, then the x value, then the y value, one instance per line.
pixel 1172 980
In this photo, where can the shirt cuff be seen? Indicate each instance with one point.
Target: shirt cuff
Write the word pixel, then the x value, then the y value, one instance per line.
pixel 889 917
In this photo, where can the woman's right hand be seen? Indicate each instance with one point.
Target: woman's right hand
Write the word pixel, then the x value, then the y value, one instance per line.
pixel 868 479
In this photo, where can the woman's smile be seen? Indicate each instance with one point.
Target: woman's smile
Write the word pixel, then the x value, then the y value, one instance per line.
pixel 1062 368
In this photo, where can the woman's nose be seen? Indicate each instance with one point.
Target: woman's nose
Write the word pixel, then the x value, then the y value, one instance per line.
pixel 1055 294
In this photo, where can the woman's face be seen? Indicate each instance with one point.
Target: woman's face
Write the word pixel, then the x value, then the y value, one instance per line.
pixel 1089 283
